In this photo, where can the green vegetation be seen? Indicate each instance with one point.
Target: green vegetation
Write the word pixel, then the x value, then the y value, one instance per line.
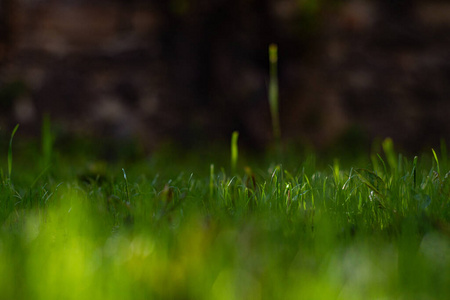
pixel 190 228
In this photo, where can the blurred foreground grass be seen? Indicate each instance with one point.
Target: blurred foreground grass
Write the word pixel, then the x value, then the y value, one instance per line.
pixel 169 228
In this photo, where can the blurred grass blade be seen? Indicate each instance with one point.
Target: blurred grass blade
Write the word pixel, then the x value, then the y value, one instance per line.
pixel 336 172
pixel 437 161
pixel 10 158
pixel 415 171
pixel 234 150
pixel 383 163
pixel 126 185
pixel 375 164
pixel 211 180
pixel 388 148
pixel 273 92
pixel 39 176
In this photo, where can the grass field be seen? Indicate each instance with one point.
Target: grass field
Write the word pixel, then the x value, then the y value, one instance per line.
pixel 199 226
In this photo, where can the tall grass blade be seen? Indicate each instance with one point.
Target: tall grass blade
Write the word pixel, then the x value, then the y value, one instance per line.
pixel 274 93
pixel 10 156
pixel 126 185
pixel 234 150
pixel 375 165
pixel 415 171
pixel 388 148
pixel 437 161
pixel 383 163
pixel 211 180
pixel 336 172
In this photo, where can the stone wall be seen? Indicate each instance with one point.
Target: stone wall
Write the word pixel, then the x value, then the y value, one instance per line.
pixel 197 70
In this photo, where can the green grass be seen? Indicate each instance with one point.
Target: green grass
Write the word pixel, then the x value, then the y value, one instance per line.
pixel 165 227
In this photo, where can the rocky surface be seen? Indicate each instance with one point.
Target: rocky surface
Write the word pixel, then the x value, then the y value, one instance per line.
pixel 197 70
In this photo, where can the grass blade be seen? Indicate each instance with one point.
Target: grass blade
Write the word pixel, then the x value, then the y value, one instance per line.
pixel 234 150
pixel 274 95
pixel 10 157
pixel 437 161
pixel 415 171
pixel 126 185
pixel 211 180
pixel 388 147
pixel 372 181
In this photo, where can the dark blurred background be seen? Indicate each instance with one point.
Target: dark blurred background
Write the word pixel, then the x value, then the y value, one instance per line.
pixel 192 71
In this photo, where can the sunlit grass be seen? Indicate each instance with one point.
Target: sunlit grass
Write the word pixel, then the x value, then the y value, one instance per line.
pixel 303 230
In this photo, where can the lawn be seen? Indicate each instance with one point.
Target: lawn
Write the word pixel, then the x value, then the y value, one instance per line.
pixel 215 224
